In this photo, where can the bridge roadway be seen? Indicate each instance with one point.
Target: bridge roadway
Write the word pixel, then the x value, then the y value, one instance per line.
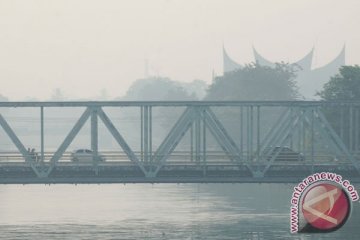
pixel 172 172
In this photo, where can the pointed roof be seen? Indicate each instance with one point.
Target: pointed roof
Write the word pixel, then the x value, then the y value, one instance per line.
pixel 304 63
pixel 261 60
pixel 338 61
pixel 229 64
pixel 310 82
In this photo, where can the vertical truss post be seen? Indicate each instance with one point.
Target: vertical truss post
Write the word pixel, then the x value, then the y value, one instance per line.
pixel 251 140
pixel 300 130
pixel 150 134
pixel 258 132
pixel 204 138
pixel 241 130
pixel 312 140
pixel 146 133
pixel 142 133
pixel 94 132
pixel 303 134
pixel 301 127
pixel 356 130
pixel 197 139
pixel 42 133
pixel 192 142
pixel 94 138
pixel 342 123
pixel 351 128
pixel 248 133
pixel 291 137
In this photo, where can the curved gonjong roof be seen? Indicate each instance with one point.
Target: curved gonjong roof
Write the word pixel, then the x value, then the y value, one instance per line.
pixel 308 80
pixel 337 62
pixel 304 63
pixel 229 64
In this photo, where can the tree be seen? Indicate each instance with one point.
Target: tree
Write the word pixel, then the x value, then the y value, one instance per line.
pixel 256 82
pixel 157 89
pixel 3 98
pixel 197 88
pixel 343 86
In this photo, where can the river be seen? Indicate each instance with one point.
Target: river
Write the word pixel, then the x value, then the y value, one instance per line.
pixel 154 211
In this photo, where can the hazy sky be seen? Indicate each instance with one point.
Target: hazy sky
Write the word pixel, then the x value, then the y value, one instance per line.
pixel 84 46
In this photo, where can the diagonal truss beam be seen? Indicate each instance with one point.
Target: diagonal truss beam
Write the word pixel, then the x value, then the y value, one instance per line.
pixel 221 135
pixel 274 136
pixel 285 133
pixel 69 138
pixel 190 115
pixel 120 140
pixel 337 140
pixel 8 130
pixel 284 117
pixel 173 138
pixel 318 125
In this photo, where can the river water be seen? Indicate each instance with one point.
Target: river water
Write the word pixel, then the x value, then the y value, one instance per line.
pixel 158 211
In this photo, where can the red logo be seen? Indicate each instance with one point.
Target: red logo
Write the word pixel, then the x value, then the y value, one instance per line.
pixel 325 207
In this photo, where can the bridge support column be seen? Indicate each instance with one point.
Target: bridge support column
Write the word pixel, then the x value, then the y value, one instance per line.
pixel 42 132
pixel 241 147
pixel 94 139
pixel 356 130
pixel 198 138
pixel 146 135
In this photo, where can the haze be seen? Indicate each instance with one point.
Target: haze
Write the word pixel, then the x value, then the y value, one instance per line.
pixel 87 47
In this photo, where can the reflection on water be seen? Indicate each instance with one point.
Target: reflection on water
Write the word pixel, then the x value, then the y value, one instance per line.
pixel 160 211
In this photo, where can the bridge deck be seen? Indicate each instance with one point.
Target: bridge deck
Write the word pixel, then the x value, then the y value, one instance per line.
pixel 68 172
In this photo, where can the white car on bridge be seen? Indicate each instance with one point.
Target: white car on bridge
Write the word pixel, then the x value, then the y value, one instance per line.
pixel 85 155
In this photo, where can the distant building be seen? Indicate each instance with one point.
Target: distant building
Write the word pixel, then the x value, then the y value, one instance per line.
pixel 309 80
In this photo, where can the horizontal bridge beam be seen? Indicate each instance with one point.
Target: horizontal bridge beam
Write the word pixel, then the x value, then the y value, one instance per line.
pixel 173 180
pixel 178 103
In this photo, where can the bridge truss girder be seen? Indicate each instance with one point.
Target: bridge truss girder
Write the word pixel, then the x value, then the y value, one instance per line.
pixel 198 118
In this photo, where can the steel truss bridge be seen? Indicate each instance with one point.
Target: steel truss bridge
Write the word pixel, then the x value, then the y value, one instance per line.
pixel 207 142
